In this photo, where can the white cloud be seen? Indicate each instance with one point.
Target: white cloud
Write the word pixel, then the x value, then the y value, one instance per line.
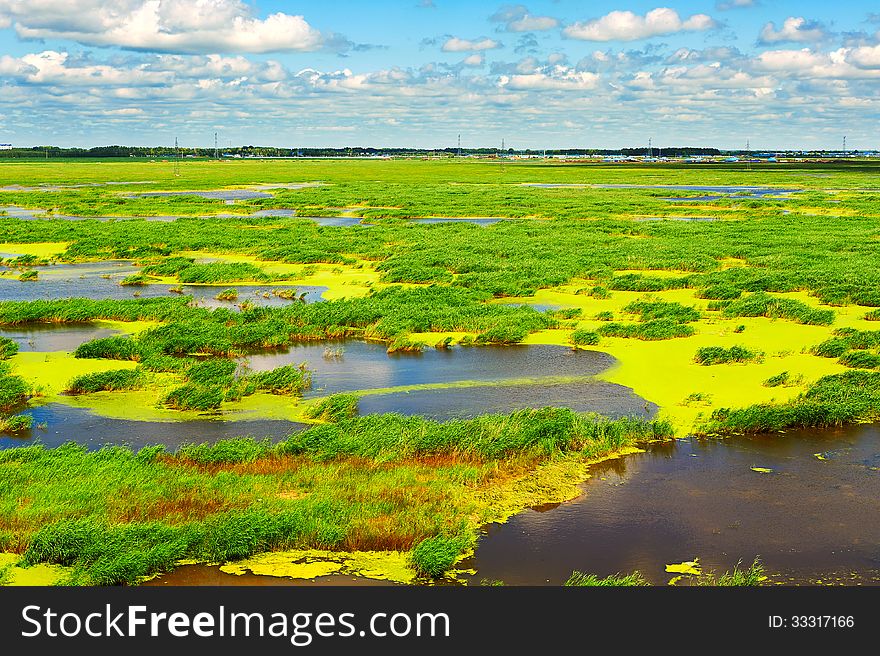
pixel 181 26
pixel 627 26
pixel 794 29
pixel 56 68
pixel 454 44
pixel 550 78
pixel 475 59
pixel 529 23
pixel 724 5
pixel 125 111
pixel 841 64
pixel 866 57
pixel 516 18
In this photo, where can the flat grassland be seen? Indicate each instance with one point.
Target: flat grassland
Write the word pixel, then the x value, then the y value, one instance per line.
pixel 732 310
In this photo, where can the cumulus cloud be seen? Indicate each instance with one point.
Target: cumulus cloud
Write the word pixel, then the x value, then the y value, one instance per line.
pixel 840 65
pixel 174 26
pixel 569 80
pixel 530 74
pixel 455 44
pixel 58 68
pixel 724 5
pixel 628 26
pixel 866 57
pixel 794 29
pixel 475 59
pixel 516 18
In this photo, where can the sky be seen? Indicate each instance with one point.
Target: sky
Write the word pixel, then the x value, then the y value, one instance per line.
pixel 779 74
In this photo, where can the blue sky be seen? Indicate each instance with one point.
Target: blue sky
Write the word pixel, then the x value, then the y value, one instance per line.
pixel 542 73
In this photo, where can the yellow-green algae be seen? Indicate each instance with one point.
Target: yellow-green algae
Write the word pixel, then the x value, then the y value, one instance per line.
pixel 341 280
pixel 46 249
pixel 691 567
pixel 50 371
pixel 664 371
pixel 661 371
pixel 554 482
pixel 36 575
pixel 392 566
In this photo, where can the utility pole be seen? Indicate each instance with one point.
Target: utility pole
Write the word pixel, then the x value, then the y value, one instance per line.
pixel 216 150
pixel 650 146
pixel 176 159
pixel 844 146
pixel 459 145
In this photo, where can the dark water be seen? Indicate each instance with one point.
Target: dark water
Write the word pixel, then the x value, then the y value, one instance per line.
pixel 809 520
pixel 480 221
pixel 220 194
pixel 338 221
pixel 457 403
pixel 262 295
pixel 211 575
pixel 345 366
pixel 23 214
pixel 65 424
pixel 51 187
pixel 101 280
pixel 740 191
pixel 678 218
pixel 53 336
pixel 540 307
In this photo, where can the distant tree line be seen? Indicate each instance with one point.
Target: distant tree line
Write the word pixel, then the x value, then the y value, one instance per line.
pixel 168 152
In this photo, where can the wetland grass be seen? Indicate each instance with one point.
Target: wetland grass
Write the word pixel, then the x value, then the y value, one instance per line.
pixel 847 398
pixel 713 355
pixel 334 408
pixel 107 381
pixel 648 330
pixel 581 580
pixel 390 482
pixel 365 483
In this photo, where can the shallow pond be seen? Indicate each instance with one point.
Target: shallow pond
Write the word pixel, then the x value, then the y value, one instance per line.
pixel 809 519
pixel 349 365
pixel 51 187
pixel 24 214
pixel 100 280
pixel 54 337
pixel 678 218
pixel 220 194
pixel 65 424
pixel 742 191
pixel 212 575
pixel 462 402
pixel 477 220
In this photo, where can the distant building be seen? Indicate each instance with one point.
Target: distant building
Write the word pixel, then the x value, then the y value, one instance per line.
pixel 5 146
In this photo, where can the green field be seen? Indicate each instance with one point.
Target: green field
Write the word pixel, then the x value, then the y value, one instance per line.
pixel 736 314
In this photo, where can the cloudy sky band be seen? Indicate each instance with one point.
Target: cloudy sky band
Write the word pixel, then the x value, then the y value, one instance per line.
pixel 543 74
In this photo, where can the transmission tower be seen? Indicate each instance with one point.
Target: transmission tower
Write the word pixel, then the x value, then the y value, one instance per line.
pixel 176 159
pixel 216 150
